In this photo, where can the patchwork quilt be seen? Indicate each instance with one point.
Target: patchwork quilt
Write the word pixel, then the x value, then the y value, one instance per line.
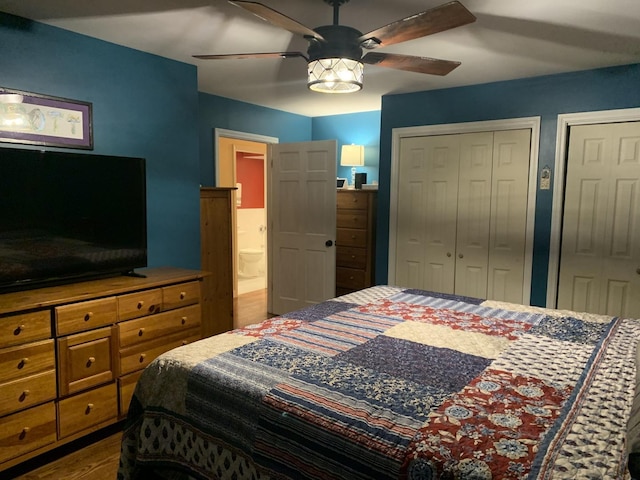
pixel 392 383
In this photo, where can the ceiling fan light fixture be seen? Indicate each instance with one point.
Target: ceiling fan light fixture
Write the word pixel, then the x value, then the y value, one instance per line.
pixel 335 75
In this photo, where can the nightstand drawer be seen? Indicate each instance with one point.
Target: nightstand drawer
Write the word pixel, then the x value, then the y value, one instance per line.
pixel 26 392
pixel 85 360
pixel 27 431
pixel 25 327
pixel 350 278
pixel 139 356
pixel 81 316
pixel 349 237
pixel 140 330
pixel 353 200
pixel 351 257
pixel 139 304
pixel 177 296
pixel 25 360
pixel 87 410
pixel 351 219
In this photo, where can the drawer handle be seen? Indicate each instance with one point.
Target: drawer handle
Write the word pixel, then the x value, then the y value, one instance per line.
pixel 24 395
pixel 23 362
pixel 182 295
pixel 353 257
pixel 91 361
pixel 353 237
pixel 183 320
pixel 140 332
pixel 185 342
pixel 89 408
pixel 24 432
pixel 19 329
pixel 88 316
pixel 142 357
pixel 351 277
pixel 140 304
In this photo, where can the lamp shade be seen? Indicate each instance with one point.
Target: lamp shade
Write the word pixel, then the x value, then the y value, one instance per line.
pixel 352 155
pixel 335 75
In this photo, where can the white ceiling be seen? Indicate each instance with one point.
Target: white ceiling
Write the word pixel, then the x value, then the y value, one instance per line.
pixel 510 39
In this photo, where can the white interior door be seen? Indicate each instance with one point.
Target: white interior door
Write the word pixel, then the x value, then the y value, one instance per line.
pixel 302 220
pixel 427 208
pixel 462 213
pixel 600 253
pixel 474 213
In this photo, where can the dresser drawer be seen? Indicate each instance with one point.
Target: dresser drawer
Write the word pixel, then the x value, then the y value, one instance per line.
pixel 350 237
pixel 25 327
pixel 25 360
pixel 88 409
pixel 85 360
pixel 138 357
pixel 351 257
pixel 77 317
pixel 353 200
pixel 26 392
pixel 351 219
pixel 350 278
pixel 139 304
pixel 126 387
pixel 140 330
pixel 181 295
pixel 27 431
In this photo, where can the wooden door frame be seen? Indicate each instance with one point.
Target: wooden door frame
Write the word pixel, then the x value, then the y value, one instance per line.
pixel 565 121
pixel 397 134
pixel 251 137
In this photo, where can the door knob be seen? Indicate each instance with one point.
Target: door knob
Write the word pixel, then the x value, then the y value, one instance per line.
pixel 448 254
pixel 328 243
pixel 460 255
pixel 638 270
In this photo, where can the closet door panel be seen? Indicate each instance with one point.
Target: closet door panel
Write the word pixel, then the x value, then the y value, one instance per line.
pixel 510 183
pixel 474 210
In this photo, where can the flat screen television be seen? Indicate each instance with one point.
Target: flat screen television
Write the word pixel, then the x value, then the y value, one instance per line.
pixel 69 216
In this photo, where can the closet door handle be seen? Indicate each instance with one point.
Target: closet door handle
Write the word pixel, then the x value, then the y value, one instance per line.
pixel 460 255
pixel 448 254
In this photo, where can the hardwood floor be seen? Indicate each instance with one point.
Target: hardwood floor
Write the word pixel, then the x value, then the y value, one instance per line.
pixel 96 457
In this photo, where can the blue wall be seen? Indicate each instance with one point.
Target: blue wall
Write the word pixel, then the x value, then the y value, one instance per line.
pixel 548 96
pixel 357 128
pixel 219 112
pixel 143 105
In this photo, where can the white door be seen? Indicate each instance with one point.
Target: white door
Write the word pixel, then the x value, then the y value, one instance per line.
pixel 427 208
pixel 462 211
pixel 600 253
pixel 302 219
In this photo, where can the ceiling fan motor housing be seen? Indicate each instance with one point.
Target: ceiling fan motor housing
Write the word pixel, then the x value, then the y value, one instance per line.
pixel 341 42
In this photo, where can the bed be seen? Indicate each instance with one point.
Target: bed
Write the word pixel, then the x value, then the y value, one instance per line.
pixel 393 383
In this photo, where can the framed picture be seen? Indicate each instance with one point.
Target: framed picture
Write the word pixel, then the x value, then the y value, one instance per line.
pixel 43 120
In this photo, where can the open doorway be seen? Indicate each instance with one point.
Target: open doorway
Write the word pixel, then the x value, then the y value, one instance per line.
pixel 241 163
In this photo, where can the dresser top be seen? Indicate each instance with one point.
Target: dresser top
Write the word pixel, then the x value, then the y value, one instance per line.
pixel 86 290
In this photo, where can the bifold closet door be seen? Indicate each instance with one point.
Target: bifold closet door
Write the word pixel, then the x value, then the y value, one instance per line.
pixel 600 253
pixel 427 212
pixel 462 204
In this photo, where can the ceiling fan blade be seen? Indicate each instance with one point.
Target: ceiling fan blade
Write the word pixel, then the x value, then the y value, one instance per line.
pixel 228 56
pixel 278 19
pixel 438 19
pixel 431 66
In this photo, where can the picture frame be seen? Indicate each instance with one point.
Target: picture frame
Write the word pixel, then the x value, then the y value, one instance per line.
pixel 341 183
pixel 37 119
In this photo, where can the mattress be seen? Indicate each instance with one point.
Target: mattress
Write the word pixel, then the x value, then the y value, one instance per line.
pixel 392 383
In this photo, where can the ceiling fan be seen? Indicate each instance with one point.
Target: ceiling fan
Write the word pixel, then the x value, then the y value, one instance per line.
pixel 334 56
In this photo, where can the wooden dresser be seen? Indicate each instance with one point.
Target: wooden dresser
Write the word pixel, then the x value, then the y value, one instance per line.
pixel 70 355
pixel 355 240
pixel 216 256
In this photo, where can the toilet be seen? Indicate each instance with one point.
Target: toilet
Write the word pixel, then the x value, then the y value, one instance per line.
pixel 250 262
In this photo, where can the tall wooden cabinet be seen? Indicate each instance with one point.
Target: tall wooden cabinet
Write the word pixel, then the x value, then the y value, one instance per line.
pixel 70 355
pixel 216 256
pixel 355 240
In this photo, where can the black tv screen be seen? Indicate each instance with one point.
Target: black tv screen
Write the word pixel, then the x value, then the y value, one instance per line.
pixel 69 216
